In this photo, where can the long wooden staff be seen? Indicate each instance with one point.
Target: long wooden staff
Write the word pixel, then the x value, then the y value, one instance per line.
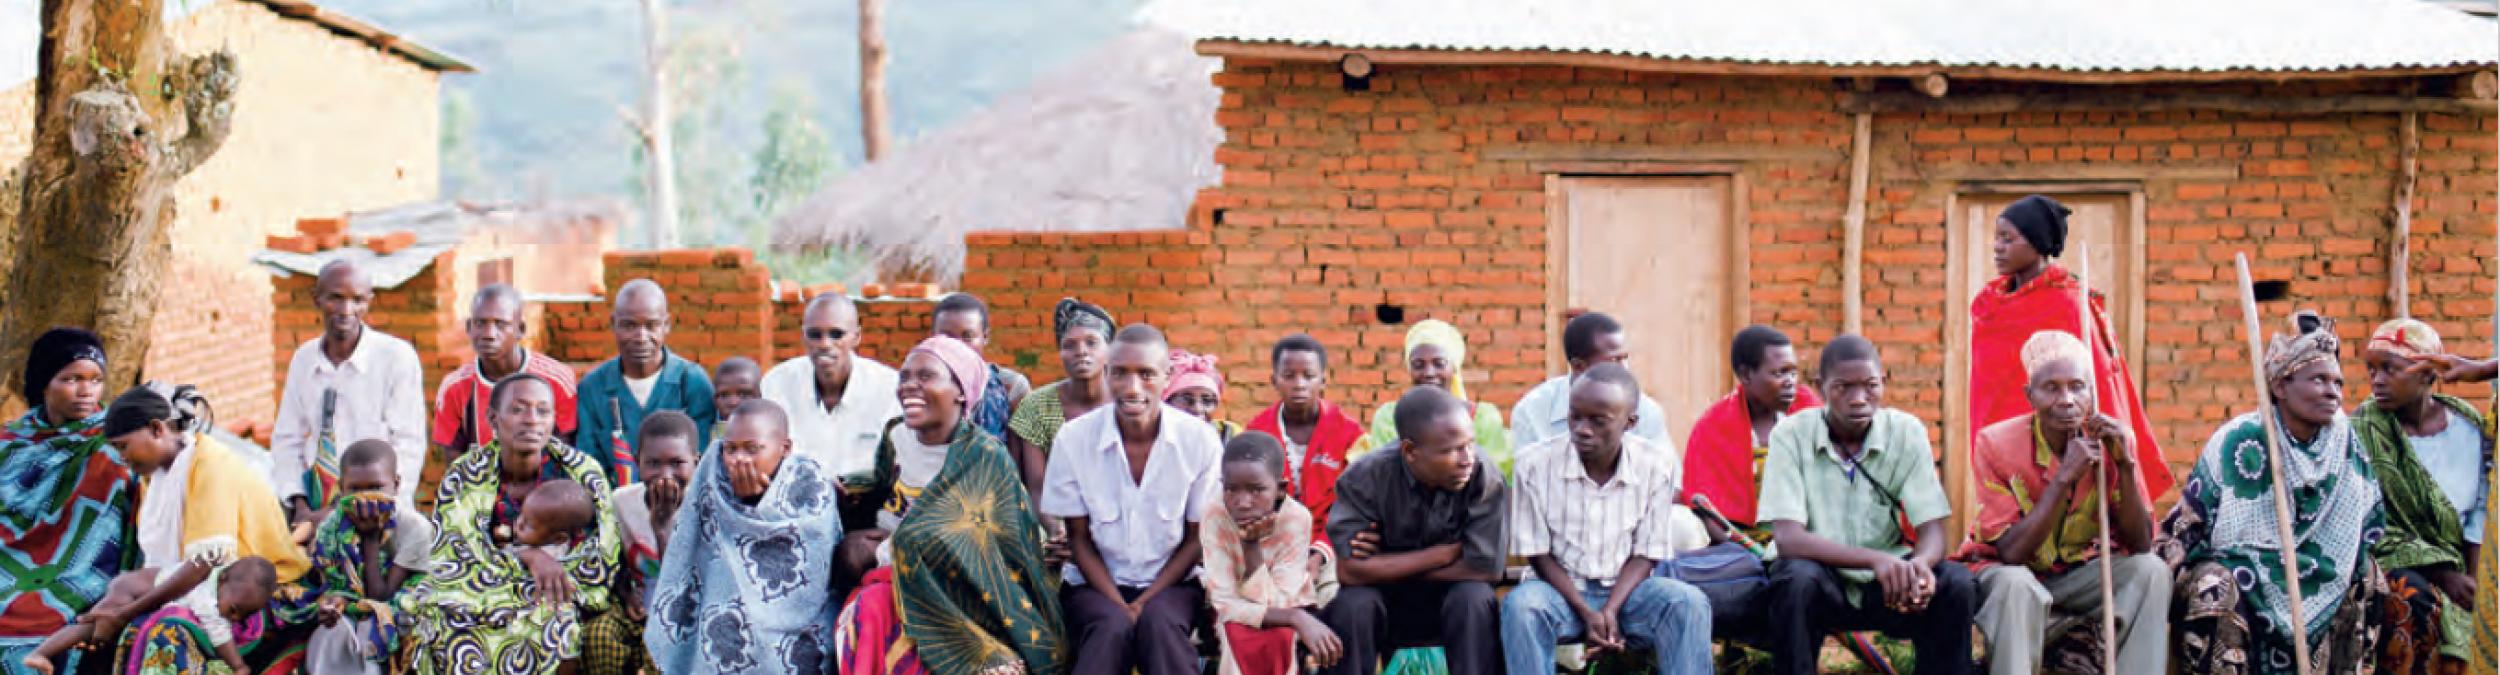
pixel 2100 474
pixel 2274 460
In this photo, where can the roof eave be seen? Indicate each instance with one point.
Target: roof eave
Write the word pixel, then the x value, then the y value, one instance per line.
pixel 358 29
pixel 1282 51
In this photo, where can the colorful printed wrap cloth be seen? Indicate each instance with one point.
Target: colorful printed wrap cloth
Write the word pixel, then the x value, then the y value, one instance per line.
pixel 474 613
pixel 172 641
pixel 967 591
pixel 66 528
pixel 746 589
pixel 2226 517
pixel 338 557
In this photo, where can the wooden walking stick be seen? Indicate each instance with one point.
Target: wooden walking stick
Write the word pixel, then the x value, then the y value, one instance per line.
pixel 2274 464
pixel 2100 474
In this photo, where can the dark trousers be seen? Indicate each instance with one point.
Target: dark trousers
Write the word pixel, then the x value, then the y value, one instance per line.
pixel 1806 604
pixel 1156 643
pixel 1375 621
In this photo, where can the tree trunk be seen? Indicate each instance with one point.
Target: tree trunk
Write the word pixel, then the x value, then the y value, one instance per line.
pixel 659 147
pixel 873 123
pixel 119 118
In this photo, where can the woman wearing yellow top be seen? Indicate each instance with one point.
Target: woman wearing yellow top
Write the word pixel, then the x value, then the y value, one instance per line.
pixel 1436 356
pixel 202 504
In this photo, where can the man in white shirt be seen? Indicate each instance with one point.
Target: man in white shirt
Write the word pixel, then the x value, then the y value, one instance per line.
pixel 838 401
pixel 1589 339
pixel 1132 479
pixel 353 383
pixel 1591 513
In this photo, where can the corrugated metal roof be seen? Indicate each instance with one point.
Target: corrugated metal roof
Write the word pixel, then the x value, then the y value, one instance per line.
pixel 2054 35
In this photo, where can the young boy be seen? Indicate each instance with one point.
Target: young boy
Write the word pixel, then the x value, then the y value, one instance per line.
pixel 645 511
pixel 368 548
pixel 233 593
pixel 1257 547
pixel 737 381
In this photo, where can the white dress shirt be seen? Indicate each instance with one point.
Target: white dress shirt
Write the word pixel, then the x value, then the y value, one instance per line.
pixel 1136 525
pixel 1557 510
pixel 1546 413
pixel 843 439
pixel 381 390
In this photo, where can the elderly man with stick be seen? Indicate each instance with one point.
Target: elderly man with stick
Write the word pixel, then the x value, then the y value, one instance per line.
pixel 2308 482
pixel 2037 537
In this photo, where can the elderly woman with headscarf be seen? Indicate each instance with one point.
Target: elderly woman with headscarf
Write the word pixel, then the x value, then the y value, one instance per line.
pixel 74 534
pixel 204 506
pixel 1197 388
pixel 960 586
pixel 2235 614
pixel 2432 453
pixel 1436 356
pixel 2029 295
pixel 746 586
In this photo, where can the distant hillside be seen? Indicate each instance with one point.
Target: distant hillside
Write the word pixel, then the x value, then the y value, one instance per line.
pixel 542 118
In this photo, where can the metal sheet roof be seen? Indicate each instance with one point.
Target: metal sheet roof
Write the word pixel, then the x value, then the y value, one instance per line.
pixel 2055 35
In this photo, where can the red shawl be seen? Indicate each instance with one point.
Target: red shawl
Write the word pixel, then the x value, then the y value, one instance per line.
pixel 2001 322
pixel 1321 463
pixel 1718 457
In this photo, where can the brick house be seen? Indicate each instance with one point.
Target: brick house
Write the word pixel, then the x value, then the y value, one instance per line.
pixel 1822 167
pixel 334 115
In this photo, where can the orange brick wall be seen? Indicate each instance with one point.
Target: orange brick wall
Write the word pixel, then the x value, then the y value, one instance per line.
pixel 1426 192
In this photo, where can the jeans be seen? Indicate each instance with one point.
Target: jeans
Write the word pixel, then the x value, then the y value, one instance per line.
pixel 1669 618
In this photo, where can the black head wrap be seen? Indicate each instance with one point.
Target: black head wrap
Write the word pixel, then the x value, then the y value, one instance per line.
pixel 53 352
pixel 1072 314
pixel 2042 221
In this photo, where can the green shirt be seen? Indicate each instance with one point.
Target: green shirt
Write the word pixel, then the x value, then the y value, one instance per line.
pixel 1806 481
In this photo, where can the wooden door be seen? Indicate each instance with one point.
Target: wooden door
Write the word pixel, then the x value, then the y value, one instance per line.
pixel 1660 254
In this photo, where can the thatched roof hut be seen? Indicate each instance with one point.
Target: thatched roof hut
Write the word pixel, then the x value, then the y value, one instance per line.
pixel 1122 139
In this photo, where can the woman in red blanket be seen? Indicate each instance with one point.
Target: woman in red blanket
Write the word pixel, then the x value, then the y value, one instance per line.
pixel 2030 295
pixel 1723 457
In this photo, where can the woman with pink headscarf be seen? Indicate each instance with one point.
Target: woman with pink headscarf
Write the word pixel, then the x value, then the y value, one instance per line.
pixel 959 586
pixel 1198 388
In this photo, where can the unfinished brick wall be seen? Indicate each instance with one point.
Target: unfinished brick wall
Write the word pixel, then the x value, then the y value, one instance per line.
pixel 1427 192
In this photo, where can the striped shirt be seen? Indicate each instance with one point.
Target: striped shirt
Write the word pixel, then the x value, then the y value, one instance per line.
pixel 1592 529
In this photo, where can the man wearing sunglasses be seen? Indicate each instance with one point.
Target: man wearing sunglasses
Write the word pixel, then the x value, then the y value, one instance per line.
pixel 645 377
pixel 838 401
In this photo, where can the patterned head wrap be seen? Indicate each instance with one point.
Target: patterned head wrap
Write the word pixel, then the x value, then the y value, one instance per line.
pixel 2051 346
pixel 1072 314
pixel 1194 370
pixel 1441 334
pixel 2042 222
pixel 2313 340
pixel 971 374
pixel 52 353
pixel 2409 338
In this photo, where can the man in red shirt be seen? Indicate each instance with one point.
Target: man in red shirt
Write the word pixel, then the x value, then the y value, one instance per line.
pixel 496 328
